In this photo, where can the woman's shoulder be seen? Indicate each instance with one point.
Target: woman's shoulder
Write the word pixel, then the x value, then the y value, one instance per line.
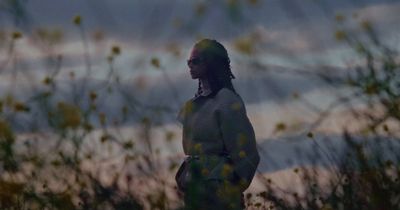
pixel 227 94
pixel 228 98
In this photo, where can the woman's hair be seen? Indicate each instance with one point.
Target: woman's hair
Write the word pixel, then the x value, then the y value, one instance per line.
pixel 218 64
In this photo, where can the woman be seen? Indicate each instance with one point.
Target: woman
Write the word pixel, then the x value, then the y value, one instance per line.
pixel 217 137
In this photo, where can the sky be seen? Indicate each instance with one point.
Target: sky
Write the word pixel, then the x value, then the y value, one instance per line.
pixel 285 35
pixel 299 25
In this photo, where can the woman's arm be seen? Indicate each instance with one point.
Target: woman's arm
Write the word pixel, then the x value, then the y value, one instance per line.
pixel 186 109
pixel 239 137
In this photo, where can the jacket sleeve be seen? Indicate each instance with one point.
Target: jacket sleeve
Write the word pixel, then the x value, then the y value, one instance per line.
pixel 185 109
pixel 239 138
pixel 180 115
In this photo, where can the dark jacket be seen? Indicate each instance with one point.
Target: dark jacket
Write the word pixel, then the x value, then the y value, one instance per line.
pixel 214 124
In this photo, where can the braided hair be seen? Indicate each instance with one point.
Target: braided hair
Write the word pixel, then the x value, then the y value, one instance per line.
pixel 218 71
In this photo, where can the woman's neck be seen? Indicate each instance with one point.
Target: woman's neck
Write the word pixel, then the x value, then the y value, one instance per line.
pixel 205 86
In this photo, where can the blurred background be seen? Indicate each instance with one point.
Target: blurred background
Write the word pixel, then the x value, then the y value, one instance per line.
pixel 90 91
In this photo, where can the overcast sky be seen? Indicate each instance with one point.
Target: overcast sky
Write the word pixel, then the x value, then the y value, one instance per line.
pixel 153 20
pixel 290 33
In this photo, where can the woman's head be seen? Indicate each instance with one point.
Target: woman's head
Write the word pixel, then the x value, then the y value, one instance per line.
pixel 209 60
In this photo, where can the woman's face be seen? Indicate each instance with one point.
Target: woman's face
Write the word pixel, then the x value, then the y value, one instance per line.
pixel 197 65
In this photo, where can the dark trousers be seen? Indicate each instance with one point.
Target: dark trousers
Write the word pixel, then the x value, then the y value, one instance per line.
pixel 213 194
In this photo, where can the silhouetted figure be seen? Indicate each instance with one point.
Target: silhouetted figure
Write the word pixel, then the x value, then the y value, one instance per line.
pixel 217 137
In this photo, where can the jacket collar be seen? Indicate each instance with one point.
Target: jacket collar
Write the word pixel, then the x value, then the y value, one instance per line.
pixel 202 94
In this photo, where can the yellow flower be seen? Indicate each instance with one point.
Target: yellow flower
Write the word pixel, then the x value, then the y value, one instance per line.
pixel 243 183
pixel 88 127
pixel 169 135
pixel 310 135
pixel 16 35
pixel 103 138
pixel 226 170
pixel 9 100
pixel 5 131
pixel 3 35
pixel 385 127
pixel 366 25
pixel 155 62
pixel 20 107
pixel 146 121
pixel 174 49
pixel 77 20
pixel 124 110
pixel 236 106
pixel 128 145
pixel 98 35
pixel 389 163
pixel 280 126
pixel 242 154
pixel 360 48
pixel 116 50
pixel 189 107
pixel 204 172
pixel 327 207
pixel 253 2
pixel 244 45
pixel 92 95
pixel 200 9
pixel 47 81
pixel 177 22
pixel 102 118
pixel 172 166
pixel 340 35
pixel 198 148
pixel 70 115
pixel 339 18
pixel 93 107
pixel 232 2
pixel 10 189
pixel 71 75
pixel 242 139
pixel 295 95
pixel 55 163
